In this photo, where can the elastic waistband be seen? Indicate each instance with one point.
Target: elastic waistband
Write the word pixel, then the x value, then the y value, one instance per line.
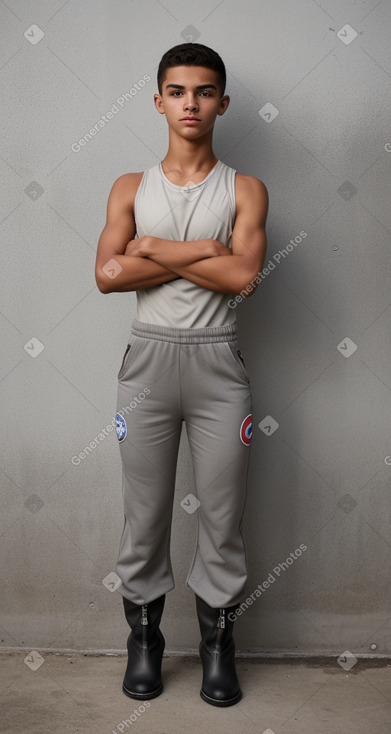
pixel 185 336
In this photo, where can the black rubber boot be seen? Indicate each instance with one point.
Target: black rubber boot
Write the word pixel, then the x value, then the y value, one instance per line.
pixel 220 686
pixel 143 679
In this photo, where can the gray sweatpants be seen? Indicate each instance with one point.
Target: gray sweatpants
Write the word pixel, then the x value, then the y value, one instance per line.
pixel 170 375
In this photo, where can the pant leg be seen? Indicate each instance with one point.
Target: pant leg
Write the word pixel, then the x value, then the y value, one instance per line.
pixel 217 411
pixel 148 442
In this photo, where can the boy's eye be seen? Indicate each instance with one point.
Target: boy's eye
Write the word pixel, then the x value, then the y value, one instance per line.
pixel 179 91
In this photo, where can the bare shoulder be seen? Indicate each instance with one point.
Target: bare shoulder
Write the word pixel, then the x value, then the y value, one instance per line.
pixel 251 196
pixel 125 187
pixel 250 185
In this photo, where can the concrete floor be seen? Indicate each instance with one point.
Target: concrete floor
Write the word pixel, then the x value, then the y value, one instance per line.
pixel 82 693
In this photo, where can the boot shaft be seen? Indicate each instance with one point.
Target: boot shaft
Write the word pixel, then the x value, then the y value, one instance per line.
pixel 215 623
pixel 144 615
pixel 145 644
pixel 220 685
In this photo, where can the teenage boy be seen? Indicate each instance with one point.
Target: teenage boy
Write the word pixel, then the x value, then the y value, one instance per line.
pixel 200 239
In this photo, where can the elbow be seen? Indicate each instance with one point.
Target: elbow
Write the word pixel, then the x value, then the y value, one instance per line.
pixel 248 281
pixel 246 288
pixel 102 282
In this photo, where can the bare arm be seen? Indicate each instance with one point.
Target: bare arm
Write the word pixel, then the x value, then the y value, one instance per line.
pixel 228 274
pixel 176 253
pixel 115 271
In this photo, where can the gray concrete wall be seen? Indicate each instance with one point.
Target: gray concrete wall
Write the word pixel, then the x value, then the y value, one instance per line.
pixel 315 336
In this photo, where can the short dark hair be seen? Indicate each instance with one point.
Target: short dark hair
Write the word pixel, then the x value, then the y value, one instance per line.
pixel 192 54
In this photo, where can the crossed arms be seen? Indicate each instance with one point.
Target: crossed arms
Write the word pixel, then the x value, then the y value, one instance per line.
pixel 127 264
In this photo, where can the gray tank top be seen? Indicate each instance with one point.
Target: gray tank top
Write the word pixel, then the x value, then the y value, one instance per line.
pixel 198 211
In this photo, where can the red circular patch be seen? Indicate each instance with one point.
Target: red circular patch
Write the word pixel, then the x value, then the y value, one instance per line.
pixel 246 430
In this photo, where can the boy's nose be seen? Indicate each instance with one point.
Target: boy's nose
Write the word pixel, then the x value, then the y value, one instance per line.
pixel 190 103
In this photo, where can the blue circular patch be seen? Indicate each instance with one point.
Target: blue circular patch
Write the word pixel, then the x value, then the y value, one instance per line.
pixel 120 427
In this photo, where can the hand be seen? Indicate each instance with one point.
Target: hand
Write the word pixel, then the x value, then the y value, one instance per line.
pixel 137 247
pixel 220 249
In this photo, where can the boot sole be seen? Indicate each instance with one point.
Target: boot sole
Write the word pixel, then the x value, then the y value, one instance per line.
pixel 222 701
pixel 143 696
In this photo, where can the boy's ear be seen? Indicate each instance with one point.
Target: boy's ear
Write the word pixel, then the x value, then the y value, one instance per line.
pixel 158 99
pixel 224 102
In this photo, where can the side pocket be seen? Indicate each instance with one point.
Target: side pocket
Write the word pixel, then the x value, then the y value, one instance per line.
pixel 239 361
pixel 123 361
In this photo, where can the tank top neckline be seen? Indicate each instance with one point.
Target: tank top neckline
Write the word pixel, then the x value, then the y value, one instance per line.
pixel 176 187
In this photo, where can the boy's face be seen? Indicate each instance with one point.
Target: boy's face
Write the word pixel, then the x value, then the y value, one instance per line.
pixel 191 92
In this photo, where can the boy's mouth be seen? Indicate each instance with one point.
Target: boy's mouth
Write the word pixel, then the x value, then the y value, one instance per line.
pixel 190 119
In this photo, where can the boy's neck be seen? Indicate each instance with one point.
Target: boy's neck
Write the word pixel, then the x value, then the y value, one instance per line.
pixel 188 157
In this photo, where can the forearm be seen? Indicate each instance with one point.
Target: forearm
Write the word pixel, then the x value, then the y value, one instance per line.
pixel 137 273
pixel 151 261
pixel 208 263
pixel 177 253
pixel 221 274
pixel 137 269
